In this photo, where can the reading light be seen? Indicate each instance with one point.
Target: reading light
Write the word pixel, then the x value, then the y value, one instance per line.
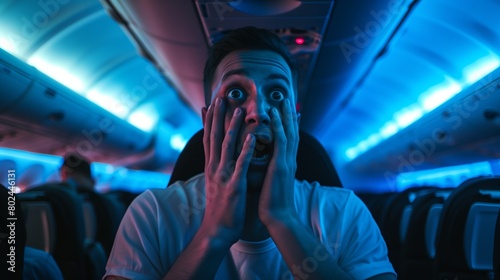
pixel 299 41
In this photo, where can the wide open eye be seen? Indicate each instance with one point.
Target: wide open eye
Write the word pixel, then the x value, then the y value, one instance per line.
pixel 277 95
pixel 235 93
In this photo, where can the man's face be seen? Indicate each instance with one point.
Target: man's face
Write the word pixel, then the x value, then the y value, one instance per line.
pixel 255 82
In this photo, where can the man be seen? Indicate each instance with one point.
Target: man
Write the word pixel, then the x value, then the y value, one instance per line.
pixel 76 172
pixel 246 216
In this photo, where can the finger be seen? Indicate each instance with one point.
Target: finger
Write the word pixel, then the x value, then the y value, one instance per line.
pixel 290 124
pixel 217 131
pixel 206 133
pixel 287 119
pixel 280 139
pixel 229 142
pixel 245 157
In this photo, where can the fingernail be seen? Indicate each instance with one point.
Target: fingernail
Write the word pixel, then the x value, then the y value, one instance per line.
pixel 218 101
pixel 237 112
pixel 249 137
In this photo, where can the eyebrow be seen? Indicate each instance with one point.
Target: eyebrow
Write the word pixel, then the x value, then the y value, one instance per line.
pixel 241 72
pixel 245 72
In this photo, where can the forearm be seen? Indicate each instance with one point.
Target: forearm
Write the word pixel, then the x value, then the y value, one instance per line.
pixel 304 254
pixel 201 258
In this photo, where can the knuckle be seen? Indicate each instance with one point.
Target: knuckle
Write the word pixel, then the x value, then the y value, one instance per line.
pixel 213 134
pixel 211 171
pixel 281 169
pixel 206 139
pixel 282 140
pixel 230 166
pixel 226 145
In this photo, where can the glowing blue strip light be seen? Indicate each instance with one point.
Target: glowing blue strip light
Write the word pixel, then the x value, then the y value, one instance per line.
pixel 450 176
pixel 109 103
pixel 428 101
pixel 18 155
pixel 178 142
pixel 61 75
pixel 143 119
pixel 107 176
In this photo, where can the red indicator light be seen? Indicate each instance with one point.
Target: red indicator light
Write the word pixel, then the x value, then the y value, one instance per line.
pixel 299 41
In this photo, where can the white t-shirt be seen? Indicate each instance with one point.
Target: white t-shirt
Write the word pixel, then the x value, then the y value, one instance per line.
pixel 160 223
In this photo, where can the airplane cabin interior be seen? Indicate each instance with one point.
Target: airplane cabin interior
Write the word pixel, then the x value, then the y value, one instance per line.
pixel 400 100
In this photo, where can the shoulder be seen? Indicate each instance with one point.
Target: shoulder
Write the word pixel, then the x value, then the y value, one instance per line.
pixel 180 190
pixel 326 195
pixel 329 210
pixel 181 202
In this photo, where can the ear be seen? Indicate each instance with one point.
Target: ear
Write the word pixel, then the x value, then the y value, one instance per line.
pixel 203 114
pixel 63 174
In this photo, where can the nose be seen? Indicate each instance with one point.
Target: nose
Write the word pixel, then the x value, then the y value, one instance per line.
pixel 257 110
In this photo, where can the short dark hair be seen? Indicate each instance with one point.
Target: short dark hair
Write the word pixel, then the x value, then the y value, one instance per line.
pixel 77 164
pixel 246 38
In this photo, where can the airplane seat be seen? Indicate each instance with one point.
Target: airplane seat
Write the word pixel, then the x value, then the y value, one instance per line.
pixel 496 250
pixel 479 236
pixel 416 262
pixel 122 196
pixel 376 205
pixel 95 256
pixel 77 253
pixel 453 239
pixel 39 220
pixel 313 162
pixel 6 230
pixel 95 260
pixel 108 213
pixel 391 218
pixel 67 209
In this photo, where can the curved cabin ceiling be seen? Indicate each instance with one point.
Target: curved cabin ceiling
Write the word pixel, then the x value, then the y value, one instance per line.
pixel 80 46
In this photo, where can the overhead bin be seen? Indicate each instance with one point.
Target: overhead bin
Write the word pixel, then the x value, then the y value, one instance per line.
pixel 443 137
pixel 37 104
pixel 14 80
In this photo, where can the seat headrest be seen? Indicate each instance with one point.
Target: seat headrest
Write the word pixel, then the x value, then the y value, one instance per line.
pixel 313 162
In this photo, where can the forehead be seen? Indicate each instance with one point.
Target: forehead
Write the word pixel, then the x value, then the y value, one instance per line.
pixel 254 62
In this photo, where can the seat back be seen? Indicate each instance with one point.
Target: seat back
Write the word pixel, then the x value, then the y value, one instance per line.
pixel 479 235
pixel 405 221
pixel 391 218
pixel 100 224
pixel 122 196
pixel 313 162
pixel 496 250
pixel 431 227
pixel 106 213
pixel 39 220
pixel 12 225
pixel 451 256
pixel 416 263
pixel 68 213
pixel 89 216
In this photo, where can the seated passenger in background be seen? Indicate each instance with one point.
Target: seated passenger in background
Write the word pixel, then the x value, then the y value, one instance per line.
pixel 75 172
pixel 247 217
pixel 40 265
